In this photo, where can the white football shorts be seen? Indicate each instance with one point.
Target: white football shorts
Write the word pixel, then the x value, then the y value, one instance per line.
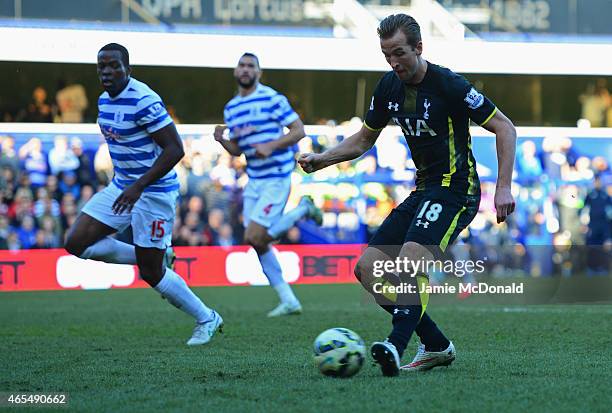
pixel 152 217
pixel 264 200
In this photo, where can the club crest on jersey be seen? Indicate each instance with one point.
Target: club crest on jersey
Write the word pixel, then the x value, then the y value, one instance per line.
pixel 426 104
pixel 118 116
pixel 417 128
pixel 394 106
pixel 474 99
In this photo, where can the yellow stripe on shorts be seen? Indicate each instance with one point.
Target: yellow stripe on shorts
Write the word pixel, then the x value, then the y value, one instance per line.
pixel 450 230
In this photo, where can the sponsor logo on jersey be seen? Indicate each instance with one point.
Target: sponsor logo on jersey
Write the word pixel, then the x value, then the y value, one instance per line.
pixel 416 128
pixel 244 130
pixel 109 132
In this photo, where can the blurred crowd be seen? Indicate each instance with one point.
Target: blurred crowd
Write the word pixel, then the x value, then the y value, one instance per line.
pixel 552 183
pixel 596 105
pixel 563 197
pixel 68 106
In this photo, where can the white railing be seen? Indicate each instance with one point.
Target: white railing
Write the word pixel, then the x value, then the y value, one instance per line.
pixel 311 130
pixel 352 16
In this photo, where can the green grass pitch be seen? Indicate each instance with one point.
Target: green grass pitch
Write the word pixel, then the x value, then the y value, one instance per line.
pixel 124 351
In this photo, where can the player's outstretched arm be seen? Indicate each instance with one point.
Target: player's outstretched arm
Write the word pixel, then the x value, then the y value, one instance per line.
pixel 172 152
pixel 352 147
pixel 296 132
pixel 505 140
pixel 228 144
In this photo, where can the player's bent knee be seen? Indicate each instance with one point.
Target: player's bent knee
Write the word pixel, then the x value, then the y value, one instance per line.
pixel 261 248
pixel 260 244
pixel 151 275
pixel 415 251
pixel 364 269
pixel 357 272
pixel 74 247
pixel 249 238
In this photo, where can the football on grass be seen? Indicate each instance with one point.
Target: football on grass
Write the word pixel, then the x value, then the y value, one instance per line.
pixel 339 352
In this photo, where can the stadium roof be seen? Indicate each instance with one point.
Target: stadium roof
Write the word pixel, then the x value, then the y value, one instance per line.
pixel 305 53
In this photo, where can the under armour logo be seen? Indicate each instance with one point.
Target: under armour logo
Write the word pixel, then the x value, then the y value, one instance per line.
pixel 424 224
pixel 404 311
pixel 426 104
pixel 394 106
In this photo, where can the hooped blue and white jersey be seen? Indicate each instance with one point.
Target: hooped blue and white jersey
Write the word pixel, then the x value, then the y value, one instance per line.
pixel 259 118
pixel 127 122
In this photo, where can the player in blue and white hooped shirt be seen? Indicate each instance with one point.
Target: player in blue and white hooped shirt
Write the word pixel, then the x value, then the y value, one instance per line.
pixel 256 118
pixel 144 146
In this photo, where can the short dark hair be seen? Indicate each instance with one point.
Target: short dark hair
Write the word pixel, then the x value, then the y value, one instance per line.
pixel 407 24
pixel 247 54
pixel 125 56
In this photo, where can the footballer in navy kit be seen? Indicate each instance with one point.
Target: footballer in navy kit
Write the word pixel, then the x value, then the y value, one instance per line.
pixel 433 106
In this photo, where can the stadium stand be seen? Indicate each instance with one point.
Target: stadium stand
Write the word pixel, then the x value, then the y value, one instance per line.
pixel 48 172
pixel 47 177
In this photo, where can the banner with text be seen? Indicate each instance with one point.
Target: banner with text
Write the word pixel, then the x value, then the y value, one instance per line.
pixel 33 270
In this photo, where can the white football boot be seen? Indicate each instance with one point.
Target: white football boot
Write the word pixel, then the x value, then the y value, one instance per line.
pixel 203 333
pixel 385 354
pixel 286 309
pixel 427 360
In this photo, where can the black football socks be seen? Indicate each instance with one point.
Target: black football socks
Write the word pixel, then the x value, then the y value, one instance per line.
pixel 405 320
pixel 430 335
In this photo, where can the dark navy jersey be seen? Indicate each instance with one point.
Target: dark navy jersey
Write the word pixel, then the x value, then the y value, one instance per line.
pixel 435 118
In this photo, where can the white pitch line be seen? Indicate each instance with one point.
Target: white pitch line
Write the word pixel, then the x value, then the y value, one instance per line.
pixel 605 309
